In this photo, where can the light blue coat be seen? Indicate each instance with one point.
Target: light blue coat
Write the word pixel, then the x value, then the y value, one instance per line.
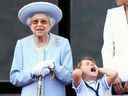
pixel 25 56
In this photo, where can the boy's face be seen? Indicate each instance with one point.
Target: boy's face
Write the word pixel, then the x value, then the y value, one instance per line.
pixel 89 68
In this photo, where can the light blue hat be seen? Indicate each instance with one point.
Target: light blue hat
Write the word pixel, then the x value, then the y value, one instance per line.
pixel 35 7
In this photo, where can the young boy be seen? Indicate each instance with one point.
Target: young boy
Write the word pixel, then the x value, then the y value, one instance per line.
pixel 89 80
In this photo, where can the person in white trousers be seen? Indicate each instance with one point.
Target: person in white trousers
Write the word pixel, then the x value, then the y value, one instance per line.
pixel 115 47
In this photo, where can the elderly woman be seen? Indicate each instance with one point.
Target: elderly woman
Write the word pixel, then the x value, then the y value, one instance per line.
pixel 115 47
pixel 42 54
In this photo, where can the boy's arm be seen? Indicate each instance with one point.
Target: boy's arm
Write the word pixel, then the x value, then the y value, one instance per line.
pixel 111 74
pixel 77 76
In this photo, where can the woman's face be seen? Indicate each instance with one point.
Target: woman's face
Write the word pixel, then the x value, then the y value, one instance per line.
pixel 122 2
pixel 126 2
pixel 40 24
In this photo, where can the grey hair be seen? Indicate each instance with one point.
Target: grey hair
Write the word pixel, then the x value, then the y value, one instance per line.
pixel 51 19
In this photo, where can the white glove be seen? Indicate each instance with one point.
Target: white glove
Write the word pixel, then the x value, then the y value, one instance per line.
pixel 42 68
pixel 50 64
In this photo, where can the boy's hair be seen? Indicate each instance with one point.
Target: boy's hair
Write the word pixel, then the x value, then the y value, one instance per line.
pixel 85 58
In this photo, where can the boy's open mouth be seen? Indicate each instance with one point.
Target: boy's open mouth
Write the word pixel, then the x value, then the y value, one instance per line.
pixel 93 69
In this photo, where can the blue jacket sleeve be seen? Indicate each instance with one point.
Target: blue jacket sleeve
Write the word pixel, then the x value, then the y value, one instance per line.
pixel 64 71
pixel 18 76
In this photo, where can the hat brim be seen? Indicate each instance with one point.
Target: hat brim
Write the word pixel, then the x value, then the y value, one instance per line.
pixel 39 7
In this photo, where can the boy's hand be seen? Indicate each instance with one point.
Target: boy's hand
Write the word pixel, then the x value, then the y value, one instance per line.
pixel 100 72
pixel 77 73
pixel 77 76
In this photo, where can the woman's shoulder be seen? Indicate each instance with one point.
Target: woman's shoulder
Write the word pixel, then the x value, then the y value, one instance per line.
pixel 57 37
pixel 26 39
pixel 116 9
pixel 58 40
